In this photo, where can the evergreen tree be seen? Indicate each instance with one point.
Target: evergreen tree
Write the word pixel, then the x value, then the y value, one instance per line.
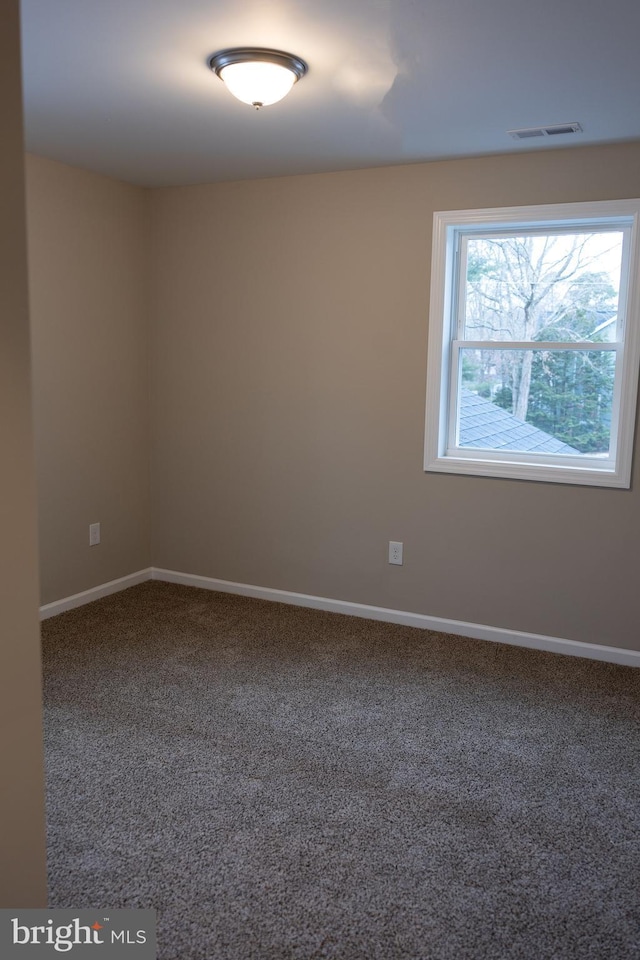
pixel 572 392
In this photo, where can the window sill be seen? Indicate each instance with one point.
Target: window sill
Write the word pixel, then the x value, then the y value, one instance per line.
pixel 522 470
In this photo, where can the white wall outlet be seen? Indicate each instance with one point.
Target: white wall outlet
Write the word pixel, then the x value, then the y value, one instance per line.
pixel 94 534
pixel 395 552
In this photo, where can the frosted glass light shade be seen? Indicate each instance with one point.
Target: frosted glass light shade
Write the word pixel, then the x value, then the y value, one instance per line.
pixel 258 83
pixel 257 76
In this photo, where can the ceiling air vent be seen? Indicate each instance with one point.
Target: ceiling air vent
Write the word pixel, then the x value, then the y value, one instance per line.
pixel 556 129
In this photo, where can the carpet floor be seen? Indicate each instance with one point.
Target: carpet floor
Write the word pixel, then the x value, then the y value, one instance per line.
pixel 287 784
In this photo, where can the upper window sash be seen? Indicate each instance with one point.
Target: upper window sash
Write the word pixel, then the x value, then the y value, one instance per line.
pixel 460 242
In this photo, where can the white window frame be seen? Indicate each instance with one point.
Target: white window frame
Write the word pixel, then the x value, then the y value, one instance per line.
pixel 441 453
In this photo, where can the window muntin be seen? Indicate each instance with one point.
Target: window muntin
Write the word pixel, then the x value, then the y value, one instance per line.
pixel 530 308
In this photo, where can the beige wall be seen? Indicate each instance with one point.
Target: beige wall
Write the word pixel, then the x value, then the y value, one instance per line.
pixel 22 850
pixel 289 343
pixel 87 238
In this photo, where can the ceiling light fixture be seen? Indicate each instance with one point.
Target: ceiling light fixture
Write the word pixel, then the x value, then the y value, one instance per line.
pixel 257 76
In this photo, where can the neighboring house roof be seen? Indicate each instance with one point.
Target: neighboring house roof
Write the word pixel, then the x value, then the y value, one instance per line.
pixel 608 325
pixel 484 424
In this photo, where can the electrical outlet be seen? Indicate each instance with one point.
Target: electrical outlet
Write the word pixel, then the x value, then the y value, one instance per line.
pixel 395 552
pixel 94 534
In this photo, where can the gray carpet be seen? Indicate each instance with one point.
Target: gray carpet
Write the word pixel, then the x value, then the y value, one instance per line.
pixel 287 784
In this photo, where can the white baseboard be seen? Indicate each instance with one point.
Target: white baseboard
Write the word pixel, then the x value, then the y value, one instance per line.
pixel 476 631
pixel 103 590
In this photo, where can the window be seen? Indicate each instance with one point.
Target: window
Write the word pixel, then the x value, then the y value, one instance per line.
pixel 534 342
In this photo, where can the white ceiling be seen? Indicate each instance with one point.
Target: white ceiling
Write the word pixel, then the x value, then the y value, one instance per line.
pixel 122 87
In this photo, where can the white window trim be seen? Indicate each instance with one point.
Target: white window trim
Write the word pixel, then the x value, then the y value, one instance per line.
pixel 439 405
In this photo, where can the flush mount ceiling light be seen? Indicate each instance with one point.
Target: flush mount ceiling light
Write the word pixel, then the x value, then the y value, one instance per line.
pixel 257 76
